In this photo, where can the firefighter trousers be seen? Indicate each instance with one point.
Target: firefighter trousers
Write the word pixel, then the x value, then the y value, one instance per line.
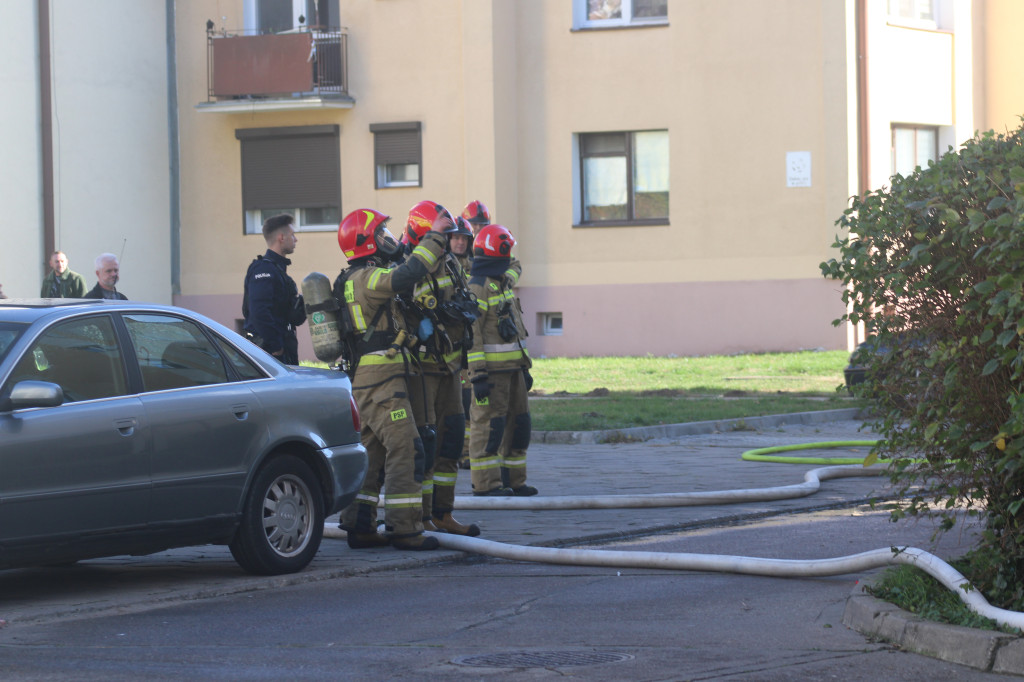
pixel 499 433
pixel 395 457
pixel 438 406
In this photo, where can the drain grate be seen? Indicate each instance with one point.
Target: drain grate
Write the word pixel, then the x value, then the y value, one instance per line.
pixel 542 659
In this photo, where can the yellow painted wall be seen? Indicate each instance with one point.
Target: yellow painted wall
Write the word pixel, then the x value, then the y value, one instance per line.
pixel 735 96
pixel 1003 54
pixel 405 64
pixel 502 86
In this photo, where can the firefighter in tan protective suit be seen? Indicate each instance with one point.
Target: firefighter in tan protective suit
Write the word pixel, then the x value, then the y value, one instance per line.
pixel 474 217
pixel 380 386
pixel 442 311
pixel 499 372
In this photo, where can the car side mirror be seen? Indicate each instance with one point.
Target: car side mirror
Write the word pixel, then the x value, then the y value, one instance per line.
pixel 35 394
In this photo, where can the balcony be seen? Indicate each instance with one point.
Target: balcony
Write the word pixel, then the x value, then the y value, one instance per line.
pixel 294 70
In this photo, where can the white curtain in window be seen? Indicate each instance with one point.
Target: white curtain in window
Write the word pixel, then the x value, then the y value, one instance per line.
pixel 650 158
pixel 903 157
pixel 605 181
pixel 926 146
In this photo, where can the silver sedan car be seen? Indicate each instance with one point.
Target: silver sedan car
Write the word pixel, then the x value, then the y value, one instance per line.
pixel 129 428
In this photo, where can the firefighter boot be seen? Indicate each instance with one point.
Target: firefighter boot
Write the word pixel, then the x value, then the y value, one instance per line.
pixel 497 492
pixel 367 540
pixel 415 543
pixel 428 524
pixel 448 524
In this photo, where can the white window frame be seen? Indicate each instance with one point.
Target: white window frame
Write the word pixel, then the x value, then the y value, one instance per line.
pixel 630 155
pixel 254 222
pixel 915 19
pixel 550 324
pixel 916 129
pixel 580 20
pixel 382 176
pixel 388 154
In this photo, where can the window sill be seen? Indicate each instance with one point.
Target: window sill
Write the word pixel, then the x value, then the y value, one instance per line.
pixel 619 27
pixel 624 223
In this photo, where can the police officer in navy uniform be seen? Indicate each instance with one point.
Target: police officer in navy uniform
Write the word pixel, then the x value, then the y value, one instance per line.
pixel 272 305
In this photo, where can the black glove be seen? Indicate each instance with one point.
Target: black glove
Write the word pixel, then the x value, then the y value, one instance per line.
pixel 481 389
pixel 529 379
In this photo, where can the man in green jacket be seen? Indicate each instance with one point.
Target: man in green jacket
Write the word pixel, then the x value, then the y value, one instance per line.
pixel 61 282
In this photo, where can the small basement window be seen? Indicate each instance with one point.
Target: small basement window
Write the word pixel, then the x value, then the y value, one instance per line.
pixel 550 324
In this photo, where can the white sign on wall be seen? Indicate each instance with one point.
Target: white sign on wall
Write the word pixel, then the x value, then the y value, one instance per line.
pixel 798 169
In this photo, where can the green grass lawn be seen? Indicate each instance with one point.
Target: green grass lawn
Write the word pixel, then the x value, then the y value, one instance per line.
pixel 584 394
pixel 589 394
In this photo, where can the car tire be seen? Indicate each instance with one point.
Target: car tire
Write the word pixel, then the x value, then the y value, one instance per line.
pixel 282 520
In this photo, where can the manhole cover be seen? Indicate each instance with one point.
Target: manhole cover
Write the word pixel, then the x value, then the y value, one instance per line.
pixel 543 659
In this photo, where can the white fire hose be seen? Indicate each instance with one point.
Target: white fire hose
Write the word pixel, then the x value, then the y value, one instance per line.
pixel 811 485
pixel 948 576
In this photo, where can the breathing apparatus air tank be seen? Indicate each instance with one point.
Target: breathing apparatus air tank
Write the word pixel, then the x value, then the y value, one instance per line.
pixel 322 310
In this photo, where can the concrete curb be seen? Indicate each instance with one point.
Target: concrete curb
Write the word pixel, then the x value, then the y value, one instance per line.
pixel 985 650
pixel 642 433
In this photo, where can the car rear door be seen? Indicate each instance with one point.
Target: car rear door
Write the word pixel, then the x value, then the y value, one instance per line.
pixel 206 424
pixel 79 470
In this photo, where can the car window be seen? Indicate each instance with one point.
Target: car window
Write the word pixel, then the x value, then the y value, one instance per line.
pixel 173 353
pixel 9 333
pixel 243 366
pixel 80 355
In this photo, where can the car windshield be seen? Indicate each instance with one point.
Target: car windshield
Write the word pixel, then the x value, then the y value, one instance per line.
pixel 9 333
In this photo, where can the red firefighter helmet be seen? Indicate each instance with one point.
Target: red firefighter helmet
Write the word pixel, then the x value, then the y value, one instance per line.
pixel 364 232
pixel 476 213
pixel 421 220
pixel 495 241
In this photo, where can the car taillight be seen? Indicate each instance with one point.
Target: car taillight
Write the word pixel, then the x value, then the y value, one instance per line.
pixel 355 415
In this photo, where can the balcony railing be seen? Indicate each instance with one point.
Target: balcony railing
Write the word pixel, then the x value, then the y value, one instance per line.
pixel 282 65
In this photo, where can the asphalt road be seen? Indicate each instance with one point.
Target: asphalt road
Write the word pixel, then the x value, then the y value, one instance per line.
pixel 375 614
pixel 498 619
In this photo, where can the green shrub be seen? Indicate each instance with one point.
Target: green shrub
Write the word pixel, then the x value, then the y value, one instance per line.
pixel 934 267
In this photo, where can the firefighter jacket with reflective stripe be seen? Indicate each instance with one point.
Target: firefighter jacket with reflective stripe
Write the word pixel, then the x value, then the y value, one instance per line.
pixel 367 290
pixel 490 351
pixel 442 352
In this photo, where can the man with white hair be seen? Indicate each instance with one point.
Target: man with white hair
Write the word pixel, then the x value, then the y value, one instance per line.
pixel 107 273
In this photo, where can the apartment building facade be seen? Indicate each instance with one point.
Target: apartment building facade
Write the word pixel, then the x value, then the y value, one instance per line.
pixel 672 170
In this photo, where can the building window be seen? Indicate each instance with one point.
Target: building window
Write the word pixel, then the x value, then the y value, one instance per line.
pixel 618 13
pixel 914 13
pixel 550 324
pixel 397 154
pixel 306 219
pixel 623 177
pixel 913 147
pixel 278 16
pixel 294 170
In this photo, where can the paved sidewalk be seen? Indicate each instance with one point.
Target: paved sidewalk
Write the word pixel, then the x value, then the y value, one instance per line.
pixel 674 459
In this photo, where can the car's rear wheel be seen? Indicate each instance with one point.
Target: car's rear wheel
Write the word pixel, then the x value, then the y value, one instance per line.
pixel 282 520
